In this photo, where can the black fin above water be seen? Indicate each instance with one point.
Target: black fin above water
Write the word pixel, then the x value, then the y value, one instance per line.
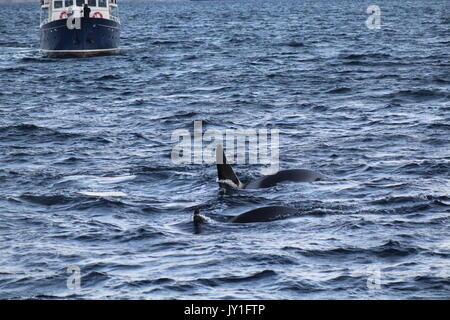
pixel 227 177
pixel 198 218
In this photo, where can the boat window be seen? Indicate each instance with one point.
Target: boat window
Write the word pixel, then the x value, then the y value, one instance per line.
pixel 92 3
pixel 80 3
pixel 57 4
pixel 102 3
pixel 69 3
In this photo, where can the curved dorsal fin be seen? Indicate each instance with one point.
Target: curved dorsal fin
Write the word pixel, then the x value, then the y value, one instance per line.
pixel 227 177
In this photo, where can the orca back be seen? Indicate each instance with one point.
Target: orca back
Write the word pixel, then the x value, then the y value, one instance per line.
pixel 294 175
pixel 264 214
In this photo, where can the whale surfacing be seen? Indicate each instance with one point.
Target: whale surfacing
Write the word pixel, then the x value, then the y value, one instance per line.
pixel 228 178
pixel 264 214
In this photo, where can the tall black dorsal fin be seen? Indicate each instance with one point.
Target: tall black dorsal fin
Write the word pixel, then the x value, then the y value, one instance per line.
pixel 227 177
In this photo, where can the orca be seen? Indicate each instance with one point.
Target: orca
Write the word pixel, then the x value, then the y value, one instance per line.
pixel 227 178
pixel 263 214
pixel 198 218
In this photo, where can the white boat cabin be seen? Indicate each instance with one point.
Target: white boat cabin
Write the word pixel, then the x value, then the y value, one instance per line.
pixel 59 9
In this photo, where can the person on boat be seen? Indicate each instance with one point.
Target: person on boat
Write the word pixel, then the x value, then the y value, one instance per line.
pixel 86 11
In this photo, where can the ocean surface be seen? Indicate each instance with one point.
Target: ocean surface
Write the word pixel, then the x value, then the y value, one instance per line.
pixel 88 183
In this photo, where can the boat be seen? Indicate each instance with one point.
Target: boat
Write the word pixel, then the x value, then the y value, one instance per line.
pixel 79 27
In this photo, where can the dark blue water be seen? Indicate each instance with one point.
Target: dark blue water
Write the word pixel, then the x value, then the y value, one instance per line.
pixel 87 179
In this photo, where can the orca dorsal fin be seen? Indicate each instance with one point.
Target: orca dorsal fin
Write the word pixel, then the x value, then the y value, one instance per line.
pixel 198 218
pixel 226 176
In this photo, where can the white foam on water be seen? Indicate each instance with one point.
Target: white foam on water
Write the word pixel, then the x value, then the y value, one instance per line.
pixel 103 194
pixel 179 204
pixel 94 180
pixel 103 180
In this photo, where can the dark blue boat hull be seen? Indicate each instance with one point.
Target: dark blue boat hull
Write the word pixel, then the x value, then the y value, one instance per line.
pixel 96 36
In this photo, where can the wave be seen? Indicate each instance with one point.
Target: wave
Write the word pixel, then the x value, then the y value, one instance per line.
pixel 339 90
pixel 108 77
pixel 233 279
pixel 361 56
pixel 390 249
pixel 425 167
pixel 139 233
pixel 47 200
pixel 27 131
pixel 166 42
pixel 14 69
pixel 98 203
pixel 418 94
pixel 292 44
pixel 104 193
pixel 96 200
